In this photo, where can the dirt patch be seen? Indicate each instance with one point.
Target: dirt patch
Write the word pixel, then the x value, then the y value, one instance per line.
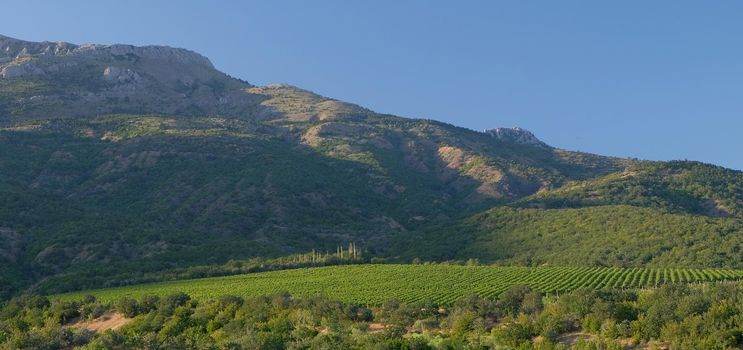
pixel 376 327
pixel 458 163
pixel 454 158
pixel 569 339
pixel 628 343
pixel 628 173
pixel 112 321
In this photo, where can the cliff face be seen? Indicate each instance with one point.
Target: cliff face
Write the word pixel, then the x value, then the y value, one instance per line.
pixel 516 135
pixel 14 52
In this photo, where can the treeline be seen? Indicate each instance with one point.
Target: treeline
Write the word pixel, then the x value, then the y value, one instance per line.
pixel 343 255
pixel 675 316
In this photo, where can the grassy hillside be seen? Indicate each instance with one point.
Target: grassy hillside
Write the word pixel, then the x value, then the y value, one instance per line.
pixel 611 235
pixel 681 187
pixel 444 284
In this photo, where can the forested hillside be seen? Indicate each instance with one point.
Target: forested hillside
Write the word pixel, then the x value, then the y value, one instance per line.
pixel 118 158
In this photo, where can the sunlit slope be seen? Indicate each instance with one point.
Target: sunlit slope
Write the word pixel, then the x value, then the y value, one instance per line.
pixel 609 235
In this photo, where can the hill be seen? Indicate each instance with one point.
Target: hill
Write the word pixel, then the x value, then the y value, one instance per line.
pixel 130 159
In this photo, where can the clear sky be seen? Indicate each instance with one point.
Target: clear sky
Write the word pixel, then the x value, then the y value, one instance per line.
pixel 647 79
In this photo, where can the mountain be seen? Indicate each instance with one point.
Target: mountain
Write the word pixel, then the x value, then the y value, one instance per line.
pixel 43 80
pixel 120 160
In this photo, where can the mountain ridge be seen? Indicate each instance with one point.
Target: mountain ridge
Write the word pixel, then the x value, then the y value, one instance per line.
pixel 10 47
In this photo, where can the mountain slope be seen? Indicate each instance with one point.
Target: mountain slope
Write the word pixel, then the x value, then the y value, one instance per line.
pixel 688 187
pixel 609 235
pixel 120 159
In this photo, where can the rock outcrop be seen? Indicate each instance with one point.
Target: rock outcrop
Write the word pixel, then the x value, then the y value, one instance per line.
pixel 516 135
pixel 15 49
pixel 117 79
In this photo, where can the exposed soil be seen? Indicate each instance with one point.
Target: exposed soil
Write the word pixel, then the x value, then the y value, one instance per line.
pixel 113 321
pixel 376 327
pixel 569 339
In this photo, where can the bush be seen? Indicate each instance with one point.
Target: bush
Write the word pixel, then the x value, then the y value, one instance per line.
pixel 512 334
pixel 127 307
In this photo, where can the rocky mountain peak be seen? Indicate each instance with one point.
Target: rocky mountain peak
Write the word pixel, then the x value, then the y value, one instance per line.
pixel 14 49
pixel 515 135
pixel 94 79
pixel 160 53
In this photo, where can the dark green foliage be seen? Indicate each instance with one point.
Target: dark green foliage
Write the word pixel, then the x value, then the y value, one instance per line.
pixel 519 299
pixel 513 335
pixel 127 307
pixel 682 316
pixel 164 212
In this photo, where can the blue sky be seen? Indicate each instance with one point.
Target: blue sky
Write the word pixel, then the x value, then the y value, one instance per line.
pixel 648 79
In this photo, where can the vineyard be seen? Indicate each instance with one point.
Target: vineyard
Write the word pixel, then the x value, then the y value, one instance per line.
pixel 374 284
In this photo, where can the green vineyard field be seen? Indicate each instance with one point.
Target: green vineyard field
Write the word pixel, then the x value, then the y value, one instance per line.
pixel 374 284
